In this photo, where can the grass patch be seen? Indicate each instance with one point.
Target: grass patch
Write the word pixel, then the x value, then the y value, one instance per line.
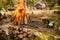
pixel 56 8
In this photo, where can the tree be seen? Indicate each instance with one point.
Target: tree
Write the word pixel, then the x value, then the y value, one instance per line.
pixel 4 3
pixel 50 3
pixel 30 2
pixel 9 2
pixel 58 1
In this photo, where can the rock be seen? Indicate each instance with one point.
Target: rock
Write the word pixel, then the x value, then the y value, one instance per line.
pixel 15 28
pixel 51 24
pixel 37 34
pixel 32 39
pixel 25 34
pixel 59 28
pixel 26 26
pixel 25 39
pixel 20 29
pixel 29 35
pixel 0 31
pixel 21 32
pixel 25 29
pixel 10 31
pixel 29 30
pixel 20 36
pixel 5 29
pixel 10 28
pixel 15 32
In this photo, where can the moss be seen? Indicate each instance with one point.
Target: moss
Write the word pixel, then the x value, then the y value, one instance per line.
pixel 38 38
pixel 56 8
pixel 51 38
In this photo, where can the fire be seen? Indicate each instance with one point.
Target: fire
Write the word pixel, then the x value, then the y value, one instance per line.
pixel 20 13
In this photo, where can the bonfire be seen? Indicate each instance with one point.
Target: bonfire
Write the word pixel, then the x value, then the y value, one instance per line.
pixel 20 13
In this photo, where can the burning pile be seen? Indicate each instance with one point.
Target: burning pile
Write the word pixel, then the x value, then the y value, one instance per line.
pixel 20 13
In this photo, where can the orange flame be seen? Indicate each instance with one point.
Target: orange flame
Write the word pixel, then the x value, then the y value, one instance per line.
pixel 20 12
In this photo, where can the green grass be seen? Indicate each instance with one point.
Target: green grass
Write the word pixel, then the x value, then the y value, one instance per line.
pixel 56 8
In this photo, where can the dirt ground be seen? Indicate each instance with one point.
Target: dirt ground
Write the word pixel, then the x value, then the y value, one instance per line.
pixel 33 23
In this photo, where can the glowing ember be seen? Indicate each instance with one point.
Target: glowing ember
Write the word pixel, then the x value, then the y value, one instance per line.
pixel 20 13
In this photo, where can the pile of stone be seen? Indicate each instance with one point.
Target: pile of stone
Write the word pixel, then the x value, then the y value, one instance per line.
pixel 21 33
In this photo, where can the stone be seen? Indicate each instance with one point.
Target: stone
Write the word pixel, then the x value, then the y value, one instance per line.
pixel 29 35
pixel 25 29
pixel 21 32
pixel 15 28
pixel 29 30
pixel 32 39
pixel 25 39
pixel 10 28
pixel 26 26
pixel 20 36
pixel 10 31
pixel 25 34
pixel 15 32
pixel 0 31
pixel 51 24
pixel 37 34
pixel 20 29
pixel 59 28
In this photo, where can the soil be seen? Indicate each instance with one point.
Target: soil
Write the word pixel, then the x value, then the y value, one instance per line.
pixel 33 23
